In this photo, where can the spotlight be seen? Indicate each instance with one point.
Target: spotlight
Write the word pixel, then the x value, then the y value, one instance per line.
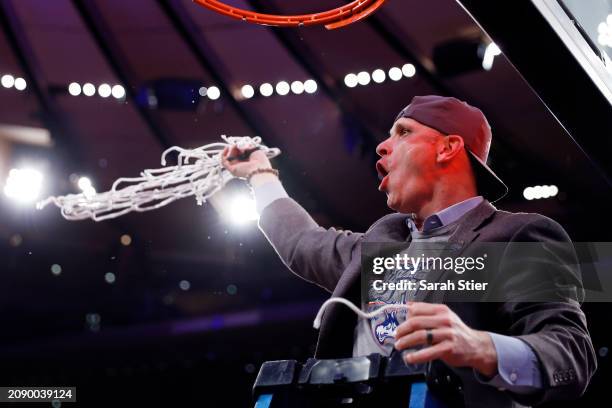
pixel 23 185
pixel 408 70
pixel 378 76
pixel 350 80
pixel 74 89
pixel 282 88
pixel 395 74
pixel 266 89
pixel 247 91
pixel 184 285
pixel 363 78
pixel 118 92
pixel 241 210
pixel 202 91
pixel 89 89
pixel 490 53
pixel 537 192
pixel 310 86
pixel 213 93
pixel 7 81
pixel 297 87
pixel 104 90
pixel 20 84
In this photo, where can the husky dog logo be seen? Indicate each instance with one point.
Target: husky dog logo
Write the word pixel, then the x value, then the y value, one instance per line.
pixel 386 330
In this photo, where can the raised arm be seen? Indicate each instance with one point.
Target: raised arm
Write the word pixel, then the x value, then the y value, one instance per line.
pixel 316 254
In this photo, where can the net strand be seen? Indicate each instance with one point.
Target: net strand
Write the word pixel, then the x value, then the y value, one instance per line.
pixel 317 321
pixel 198 173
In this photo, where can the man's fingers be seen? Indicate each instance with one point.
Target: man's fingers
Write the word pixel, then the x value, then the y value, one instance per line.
pixel 415 323
pixel 420 337
pixel 422 308
pixel 428 353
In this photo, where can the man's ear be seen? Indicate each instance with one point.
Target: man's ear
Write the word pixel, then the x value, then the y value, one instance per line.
pixel 449 147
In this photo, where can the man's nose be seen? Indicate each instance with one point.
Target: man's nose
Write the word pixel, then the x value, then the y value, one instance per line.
pixel 384 148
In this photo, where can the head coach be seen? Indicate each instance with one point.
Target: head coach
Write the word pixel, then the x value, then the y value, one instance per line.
pixel 434 173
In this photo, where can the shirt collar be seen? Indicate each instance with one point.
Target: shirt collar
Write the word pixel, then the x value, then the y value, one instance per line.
pixel 446 216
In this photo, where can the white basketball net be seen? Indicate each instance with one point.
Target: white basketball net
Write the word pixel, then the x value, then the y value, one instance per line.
pixel 199 172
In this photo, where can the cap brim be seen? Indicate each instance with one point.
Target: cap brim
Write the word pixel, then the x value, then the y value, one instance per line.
pixel 489 185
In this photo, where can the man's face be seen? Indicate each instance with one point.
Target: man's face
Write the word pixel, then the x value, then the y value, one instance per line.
pixel 408 165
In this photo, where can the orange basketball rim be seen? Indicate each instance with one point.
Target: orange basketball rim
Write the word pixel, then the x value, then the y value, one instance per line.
pixel 335 18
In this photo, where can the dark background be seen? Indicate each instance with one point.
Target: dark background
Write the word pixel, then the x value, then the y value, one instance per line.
pixel 144 340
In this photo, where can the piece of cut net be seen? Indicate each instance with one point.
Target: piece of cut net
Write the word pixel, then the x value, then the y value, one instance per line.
pixel 198 173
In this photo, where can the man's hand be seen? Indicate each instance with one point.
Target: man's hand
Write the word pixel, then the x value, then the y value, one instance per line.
pixel 241 168
pixel 453 341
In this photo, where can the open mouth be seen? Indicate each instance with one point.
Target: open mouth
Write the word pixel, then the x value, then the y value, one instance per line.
pixel 380 169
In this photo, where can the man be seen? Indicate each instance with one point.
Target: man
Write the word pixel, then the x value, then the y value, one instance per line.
pixel 434 173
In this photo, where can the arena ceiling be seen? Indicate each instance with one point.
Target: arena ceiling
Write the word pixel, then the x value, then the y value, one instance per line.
pixel 327 138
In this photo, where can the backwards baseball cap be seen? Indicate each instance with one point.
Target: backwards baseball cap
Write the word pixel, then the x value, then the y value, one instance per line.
pixel 454 117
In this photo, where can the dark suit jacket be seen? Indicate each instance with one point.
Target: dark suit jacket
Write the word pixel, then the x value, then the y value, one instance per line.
pixel 556 331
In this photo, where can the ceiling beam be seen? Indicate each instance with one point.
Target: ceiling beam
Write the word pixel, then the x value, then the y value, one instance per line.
pixel 111 50
pixel 298 49
pixel 50 115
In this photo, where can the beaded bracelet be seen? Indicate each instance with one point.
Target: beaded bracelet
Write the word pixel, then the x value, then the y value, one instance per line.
pixel 260 171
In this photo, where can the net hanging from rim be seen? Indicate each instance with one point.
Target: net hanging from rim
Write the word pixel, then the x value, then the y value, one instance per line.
pixel 332 19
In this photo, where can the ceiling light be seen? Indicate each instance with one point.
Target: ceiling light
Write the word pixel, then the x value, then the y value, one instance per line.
pixel 118 92
pixel 241 210
pixel 7 81
pixel 74 89
pixel 89 89
pixel 350 80
pixel 490 53
pixel 408 70
pixel 23 185
pixel 266 89
pixel 20 84
pixel 247 91
pixel 297 87
pixel 395 74
pixel 378 76
pixel 282 88
pixel 538 192
pixel 213 93
pixel 104 90
pixel 363 78
pixel 310 86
